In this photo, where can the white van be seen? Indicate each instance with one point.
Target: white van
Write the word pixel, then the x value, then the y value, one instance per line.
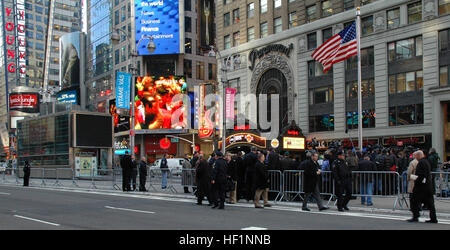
pixel 175 165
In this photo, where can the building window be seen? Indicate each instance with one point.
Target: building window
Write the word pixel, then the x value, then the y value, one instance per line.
pixel 327 34
pixel 393 18
pixel 116 17
pixel 212 71
pixel 250 34
pixel 187 5
pixel 200 70
pixel 321 95
pixel 236 38
pixel 226 19
pixel 315 69
pixel 444 7
pixel 367 59
pixel 327 10
pixel 263 29
pixel 293 19
pixel 366 25
pixel 277 25
pixel 443 76
pixel 406 82
pixel 236 17
pixel 364 2
pixel 263 4
pixel 405 49
pixel 367 89
pixel 406 115
pixel 368 119
pixel 250 10
pixel 321 123
pixel 444 40
pixel 311 13
pixel 276 4
pixel 415 12
pixel 349 4
pixel 225 2
pixel 116 57
pixel 312 40
pixel 187 24
pixel 187 68
pixel 188 45
pixel 227 42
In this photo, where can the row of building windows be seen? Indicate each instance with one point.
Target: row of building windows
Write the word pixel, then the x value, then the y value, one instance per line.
pixel 200 70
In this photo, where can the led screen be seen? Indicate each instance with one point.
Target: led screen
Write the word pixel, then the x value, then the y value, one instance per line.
pixel 93 131
pixel 161 103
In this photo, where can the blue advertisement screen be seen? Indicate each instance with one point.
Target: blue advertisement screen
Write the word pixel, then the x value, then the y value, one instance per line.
pixel 67 97
pixel 123 84
pixel 158 19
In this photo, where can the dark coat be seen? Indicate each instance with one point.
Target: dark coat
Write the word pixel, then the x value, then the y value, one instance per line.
pixel 310 175
pixel 341 171
pixel 250 160
pixel 240 171
pixel 219 172
pixel 232 168
pixel 142 168
pixel 261 176
pixel 26 170
pixel 126 163
pixel 203 175
pixel 273 160
pixel 423 171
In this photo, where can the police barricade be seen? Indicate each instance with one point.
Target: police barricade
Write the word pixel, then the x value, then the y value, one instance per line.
pixel 370 184
pixel 441 185
pixel 292 184
pixel 162 178
pixel 404 196
pixel 326 185
pixel 276 183
pixel 117 181
pixel 188 177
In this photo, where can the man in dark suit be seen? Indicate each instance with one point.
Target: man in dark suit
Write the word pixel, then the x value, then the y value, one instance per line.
pixel 219 180
pixel 125 164
pixel 343 178
pixel 250 160
pixel 311 182
pixel 423 189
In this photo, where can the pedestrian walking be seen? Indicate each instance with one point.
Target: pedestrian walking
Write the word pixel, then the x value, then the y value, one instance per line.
pixel 203 179
pixel 411 171
pixel 26 173
pixel 218 180
pixel 366 179
pixel 125 164
pixel 164 171
pixel 311 182
pixel 142 174
pixel 343 179
pixel 261 180
pixel 422 191
pixel 133 173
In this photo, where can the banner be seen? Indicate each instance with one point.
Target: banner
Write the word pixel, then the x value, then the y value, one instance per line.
pixel 25 102
pixel 123 84
pixel 229 99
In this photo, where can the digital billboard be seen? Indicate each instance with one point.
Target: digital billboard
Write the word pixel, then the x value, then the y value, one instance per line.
pixel 70 60
pixel 123 83
pixel 161 20
pixel 121 123
pixel 70 96
pixel 93 131
pixel 207 26
pixel 161 103
pixel 24 102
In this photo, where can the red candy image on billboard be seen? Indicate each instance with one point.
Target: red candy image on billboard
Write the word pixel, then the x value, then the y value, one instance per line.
pixel 159 103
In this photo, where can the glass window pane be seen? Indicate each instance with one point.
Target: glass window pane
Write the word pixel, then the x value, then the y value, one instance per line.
pixel 444 40
pixel 419 79
pixel 419 46
pixel 392 116
pixel 406 115
pixel 401 83
pixel 443 76
pixel 393 18
pixel 415 12
pixel 392 84
pixel 391 51
pixel 410 81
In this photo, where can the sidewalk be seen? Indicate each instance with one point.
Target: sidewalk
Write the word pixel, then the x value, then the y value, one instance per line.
pixel 175 190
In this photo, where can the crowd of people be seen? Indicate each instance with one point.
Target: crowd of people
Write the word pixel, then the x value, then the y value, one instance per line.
pixel 245 175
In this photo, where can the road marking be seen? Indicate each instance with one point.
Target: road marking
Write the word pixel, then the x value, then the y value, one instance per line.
pixel 41 221
pixel 254 228
pixel 5 193
pixel 131 210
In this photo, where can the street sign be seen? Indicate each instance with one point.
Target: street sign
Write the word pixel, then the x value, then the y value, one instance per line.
pixel 174 140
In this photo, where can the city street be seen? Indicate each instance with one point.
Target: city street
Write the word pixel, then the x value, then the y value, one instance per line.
pixel 37 208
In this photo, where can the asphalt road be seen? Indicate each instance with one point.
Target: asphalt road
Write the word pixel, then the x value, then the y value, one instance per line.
pixel 36 208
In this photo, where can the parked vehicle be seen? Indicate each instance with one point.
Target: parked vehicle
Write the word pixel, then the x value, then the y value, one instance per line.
pixel 175 165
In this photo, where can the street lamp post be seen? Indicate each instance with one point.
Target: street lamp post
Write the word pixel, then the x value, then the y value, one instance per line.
pixel 224 79
pixel 115 38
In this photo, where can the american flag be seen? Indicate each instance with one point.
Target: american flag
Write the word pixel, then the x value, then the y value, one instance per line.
pixel 339 47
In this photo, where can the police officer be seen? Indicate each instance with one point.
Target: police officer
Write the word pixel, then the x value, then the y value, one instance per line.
pixel 125 164
pixel 343 178
pixel 142 174
pixel 218 180
pixel 26 174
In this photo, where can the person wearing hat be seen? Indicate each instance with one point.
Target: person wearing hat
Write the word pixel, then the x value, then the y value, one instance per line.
pixel 343 178
pixel 219 180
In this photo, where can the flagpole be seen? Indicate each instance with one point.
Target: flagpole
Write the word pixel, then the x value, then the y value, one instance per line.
pixel 358 42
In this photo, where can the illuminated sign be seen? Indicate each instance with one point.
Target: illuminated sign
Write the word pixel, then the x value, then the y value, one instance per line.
pixel 160 103
pixel 294 143
pixel 17 40
pixel 246 138
pixel 159 19
pixel 123 83
pixel 275 143
pixel 67 97
pixel 164 143
pixel 292 132
pixel 25 102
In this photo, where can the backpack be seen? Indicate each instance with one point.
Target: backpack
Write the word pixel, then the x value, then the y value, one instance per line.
pixel 163 164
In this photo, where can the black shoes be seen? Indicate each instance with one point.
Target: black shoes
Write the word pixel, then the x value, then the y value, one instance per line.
pixel 413 220
pixel 306 209
pixel 340 209
pixel 214 206
pixel 323 208
pixel 431 221
pixel 346 208
pixel 221 207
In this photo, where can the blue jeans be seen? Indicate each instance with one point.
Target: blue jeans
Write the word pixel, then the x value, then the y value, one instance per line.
pixel 164 179
pixel 366 188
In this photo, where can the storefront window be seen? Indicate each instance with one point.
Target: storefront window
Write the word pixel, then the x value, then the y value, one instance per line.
pixel 368 119
pixel 406 115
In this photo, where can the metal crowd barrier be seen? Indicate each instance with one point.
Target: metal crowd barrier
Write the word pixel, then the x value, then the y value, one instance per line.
pixel 276 183
pixel 442 187
pixel 156 178
pixel 292 184
pixel 188 177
